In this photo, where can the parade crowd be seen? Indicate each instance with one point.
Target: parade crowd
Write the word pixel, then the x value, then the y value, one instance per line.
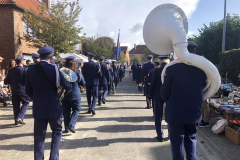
pixel 41 81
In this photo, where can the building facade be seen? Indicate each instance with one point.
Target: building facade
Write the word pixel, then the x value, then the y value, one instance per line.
pixel 12 28
pixel 138 50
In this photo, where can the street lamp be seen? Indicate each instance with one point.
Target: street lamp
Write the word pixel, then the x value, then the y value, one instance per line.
pixel 224 27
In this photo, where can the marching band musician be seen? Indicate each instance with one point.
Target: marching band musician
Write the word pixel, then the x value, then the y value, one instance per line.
pixel 139 73
pixel 121 72
pixel 182 92
pixel 110 72
pixel 115 73
pixel 154 93
pixel 133 68
pixel 72 100
pixel 41 86
pixel 103 82
pixel 91 72
pixel 16 78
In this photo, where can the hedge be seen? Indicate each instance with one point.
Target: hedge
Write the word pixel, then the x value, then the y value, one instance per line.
pixel 229 61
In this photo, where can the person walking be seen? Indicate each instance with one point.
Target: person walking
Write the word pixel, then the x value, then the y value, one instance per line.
pixel 16 78
pixel 91 72
pixel 42 81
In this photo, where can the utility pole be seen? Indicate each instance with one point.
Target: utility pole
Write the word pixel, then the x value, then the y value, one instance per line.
pixel 224 27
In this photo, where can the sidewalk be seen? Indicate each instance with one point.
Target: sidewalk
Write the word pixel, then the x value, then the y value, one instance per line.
pixel 122 129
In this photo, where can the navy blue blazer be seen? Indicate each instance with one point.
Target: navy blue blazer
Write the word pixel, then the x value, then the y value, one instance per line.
pixel 155 83
pixel 75 94
pixel 110 71
pixel 133 67
pixel 182 91
pixel 46 103
pixel 115 72
pixel 139 73
pixel 16 78
pixel 91 72
pixel 146 68
pixel 104 79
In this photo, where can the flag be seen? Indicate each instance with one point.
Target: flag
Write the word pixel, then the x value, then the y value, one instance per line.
pixel 118 47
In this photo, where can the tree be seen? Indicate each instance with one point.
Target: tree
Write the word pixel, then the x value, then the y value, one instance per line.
pixel 137 59
pixel 122 58
pixel 148 52
pixel 55 27
pixel 100 46
pixel 209 39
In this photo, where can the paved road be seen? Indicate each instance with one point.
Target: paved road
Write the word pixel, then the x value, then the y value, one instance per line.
pixel 122 129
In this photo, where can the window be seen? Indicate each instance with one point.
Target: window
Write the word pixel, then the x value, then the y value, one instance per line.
pixel 25 28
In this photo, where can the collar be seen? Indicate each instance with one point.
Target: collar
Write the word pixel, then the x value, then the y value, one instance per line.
pixel 18 66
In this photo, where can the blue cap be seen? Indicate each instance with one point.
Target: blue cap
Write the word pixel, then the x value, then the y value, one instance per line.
pixel 163 57
pixel 90 54
pixel 149 56
pixel 19 58
pixel 76 62
pixel 191 46
pixel 157 63
pixel 107 62
pixel 34 55
pixel 46 52
pixel 70 58
pixel 101 57
pixel 140 64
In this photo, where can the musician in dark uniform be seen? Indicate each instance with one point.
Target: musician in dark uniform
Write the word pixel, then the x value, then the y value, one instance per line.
pixel 182 92
pixel 121 72
pixel 35 58
pixel 150 75
pixel 115 73
pixel 16 78
pixel 103 82
pixel 139 73
pixel 110 72
pixel 146 68
pixel 47 107
pixel 91 72
pixel 72 100
pixel 154 94
pixel 133 68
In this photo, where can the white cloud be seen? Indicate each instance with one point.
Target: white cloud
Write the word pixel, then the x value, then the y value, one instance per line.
pixel 126 44
pixel 106 17
pixel 190 33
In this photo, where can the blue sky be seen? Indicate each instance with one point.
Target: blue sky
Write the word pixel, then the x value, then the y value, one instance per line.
pixel 106 17
pixel 211 10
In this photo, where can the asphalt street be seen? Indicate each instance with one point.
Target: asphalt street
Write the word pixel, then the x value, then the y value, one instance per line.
pixel 122 129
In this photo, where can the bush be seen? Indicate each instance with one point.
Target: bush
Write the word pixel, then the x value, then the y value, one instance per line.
pixel 230 62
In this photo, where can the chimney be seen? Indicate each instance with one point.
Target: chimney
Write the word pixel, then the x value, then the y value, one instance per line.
pixel 135 47
pixel 47 3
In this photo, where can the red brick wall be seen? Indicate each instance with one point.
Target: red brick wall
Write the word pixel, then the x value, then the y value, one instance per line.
pixel 7 50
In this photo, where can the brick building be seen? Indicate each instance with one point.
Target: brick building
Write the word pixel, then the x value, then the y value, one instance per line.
pixel 138 50
pixel 12 28
pixel 124 49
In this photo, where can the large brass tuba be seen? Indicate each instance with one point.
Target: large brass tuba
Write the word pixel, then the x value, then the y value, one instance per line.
pixel 69 75
pixel 164 32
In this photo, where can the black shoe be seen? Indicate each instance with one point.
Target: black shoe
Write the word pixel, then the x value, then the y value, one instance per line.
pixel 204 124
pixel 71 129
pixel 93 112
pixel 16 122
pixel 89 112
pixel 20 121
pixel 160 139
pixel 4 104
pixel 103 101
pixel 65 131
pixel 99 104
pixel 147 107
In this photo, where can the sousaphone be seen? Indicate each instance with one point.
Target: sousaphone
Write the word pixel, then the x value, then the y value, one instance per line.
pixel 165 31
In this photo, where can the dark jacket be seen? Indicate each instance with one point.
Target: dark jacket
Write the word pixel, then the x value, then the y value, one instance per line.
pixel 104 79
pixel 16 78
pixel 182 91
pixel 91 72
pixel 46 103
pixel 146 68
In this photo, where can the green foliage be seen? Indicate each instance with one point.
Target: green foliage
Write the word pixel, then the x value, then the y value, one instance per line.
pixel 122 58
pixel 137 59
pixel 148 52
pixel 229 61
pixel 100 46
pixel 209 39
pixel 55 27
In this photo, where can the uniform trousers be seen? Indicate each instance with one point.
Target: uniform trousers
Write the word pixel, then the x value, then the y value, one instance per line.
pixel 115 82
pixel 92 91
pixel 103 95
pixel 110 87
pixel 158 114
pixel 134 75
pixel 183 136
pixel 19 112
pixel 40 128
pixel 68 106
pixel 147 89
